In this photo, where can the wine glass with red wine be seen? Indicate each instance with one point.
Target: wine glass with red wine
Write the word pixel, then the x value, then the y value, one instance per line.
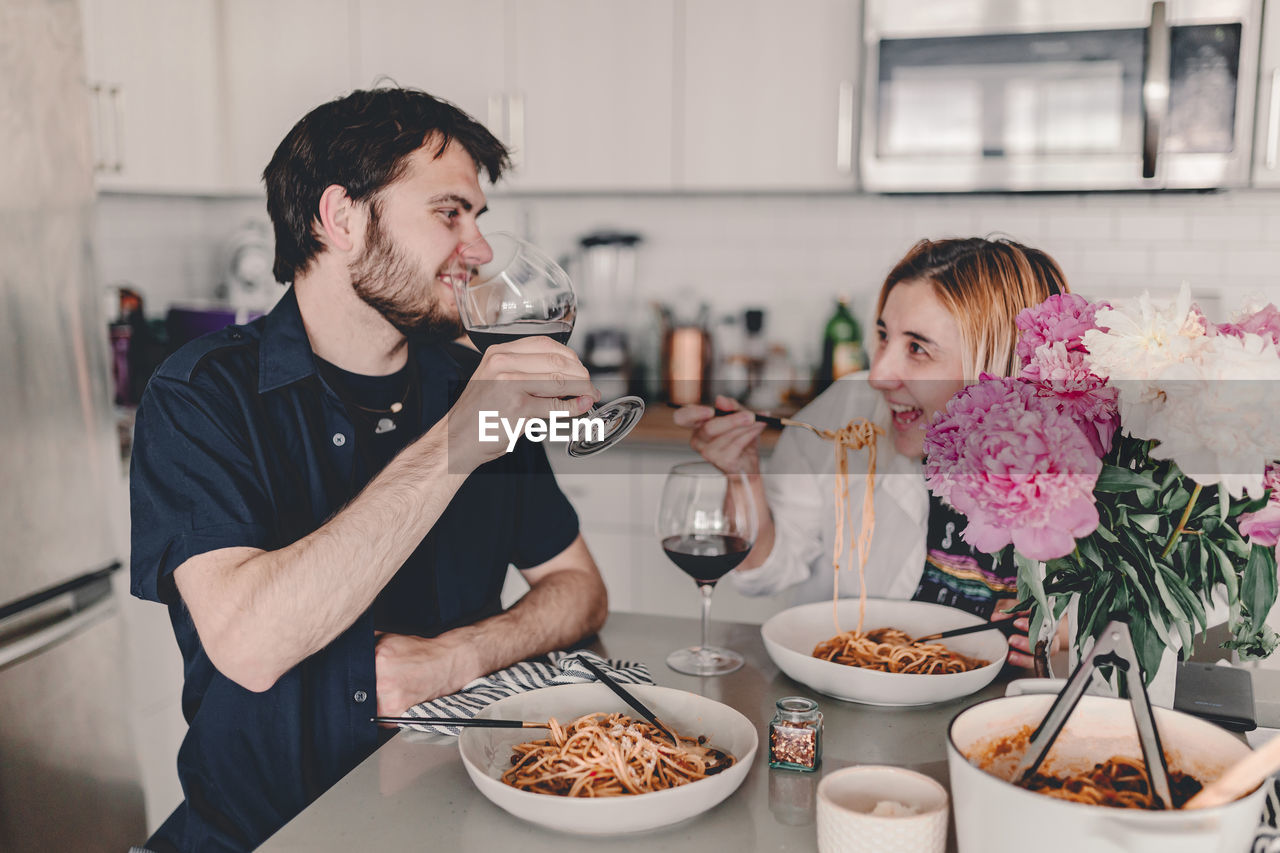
pixel 707 525
pixel 521 293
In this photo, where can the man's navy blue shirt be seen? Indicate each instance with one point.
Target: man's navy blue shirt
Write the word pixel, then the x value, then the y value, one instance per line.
pixel 240 442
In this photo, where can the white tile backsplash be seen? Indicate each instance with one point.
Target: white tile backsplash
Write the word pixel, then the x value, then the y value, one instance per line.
pixel 788 254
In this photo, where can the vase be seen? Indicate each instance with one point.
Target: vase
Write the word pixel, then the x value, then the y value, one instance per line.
pixel 1160 691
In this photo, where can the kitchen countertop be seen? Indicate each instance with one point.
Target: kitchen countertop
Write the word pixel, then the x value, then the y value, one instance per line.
pixel 414 794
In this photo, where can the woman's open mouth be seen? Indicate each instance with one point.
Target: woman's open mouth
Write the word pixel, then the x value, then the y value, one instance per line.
pixel 905 416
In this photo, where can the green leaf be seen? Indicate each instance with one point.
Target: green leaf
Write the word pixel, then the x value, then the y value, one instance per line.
pixel 1148 522
pixel 1224 503
pixel 1105 534
pixel 1175 500
pixel 1149 642
pixel 1172 607
pixel 1135 583
pixel 1227 574
pixel 1089 551
pixel 1202 558
pixel 1031 580
pixel 1094 613
pixel 1114 479
pixel 1258 587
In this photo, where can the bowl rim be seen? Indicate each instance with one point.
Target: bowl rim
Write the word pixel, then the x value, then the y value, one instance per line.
pixel 741 765
pixel 875 674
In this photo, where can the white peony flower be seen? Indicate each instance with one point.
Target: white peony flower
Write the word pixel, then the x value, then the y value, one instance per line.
pixel 1211 402
pixel 1216 414
pixel 1143 338
pixel 1142 341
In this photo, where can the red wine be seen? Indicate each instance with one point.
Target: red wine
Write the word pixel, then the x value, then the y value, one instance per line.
pixel 706 559
pixel 486 336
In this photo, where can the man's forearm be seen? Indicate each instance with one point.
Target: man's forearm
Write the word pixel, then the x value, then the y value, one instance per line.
pixel 555 613
pixel 261 617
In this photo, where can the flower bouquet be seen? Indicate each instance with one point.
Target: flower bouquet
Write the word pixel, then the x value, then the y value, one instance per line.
pixel 1128 467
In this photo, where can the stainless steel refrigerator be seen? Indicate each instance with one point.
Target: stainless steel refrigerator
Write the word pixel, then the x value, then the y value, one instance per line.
pixel 68 769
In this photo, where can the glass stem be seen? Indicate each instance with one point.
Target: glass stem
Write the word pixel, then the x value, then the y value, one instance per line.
pixel 705 589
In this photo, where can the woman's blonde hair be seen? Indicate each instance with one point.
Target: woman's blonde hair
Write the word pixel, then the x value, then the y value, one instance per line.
pixel 984 284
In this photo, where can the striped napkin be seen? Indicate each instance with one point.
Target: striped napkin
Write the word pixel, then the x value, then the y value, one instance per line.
pixel 1268 838
pixel 554 669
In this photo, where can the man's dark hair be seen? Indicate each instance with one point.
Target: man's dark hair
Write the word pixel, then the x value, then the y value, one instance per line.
pixel 361 143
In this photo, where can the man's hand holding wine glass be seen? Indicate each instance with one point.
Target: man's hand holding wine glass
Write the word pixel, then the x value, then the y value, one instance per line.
pixel 525 378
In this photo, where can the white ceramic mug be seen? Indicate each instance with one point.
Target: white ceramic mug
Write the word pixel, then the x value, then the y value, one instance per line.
pixel 847 800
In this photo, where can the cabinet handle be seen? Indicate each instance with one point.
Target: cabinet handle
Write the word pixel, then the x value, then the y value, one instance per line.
pixel 515 127
pixel 117 120
pixel 1273 119
pixel 844 129
pixel 1155 87
pixel 99 132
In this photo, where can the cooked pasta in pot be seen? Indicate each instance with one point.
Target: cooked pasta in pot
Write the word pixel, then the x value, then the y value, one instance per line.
pixel 1117 782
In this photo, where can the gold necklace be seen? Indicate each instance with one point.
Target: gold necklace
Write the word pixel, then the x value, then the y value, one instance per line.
pixel 395 408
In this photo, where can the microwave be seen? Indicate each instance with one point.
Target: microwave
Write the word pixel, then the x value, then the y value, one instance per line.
pixel 1044 95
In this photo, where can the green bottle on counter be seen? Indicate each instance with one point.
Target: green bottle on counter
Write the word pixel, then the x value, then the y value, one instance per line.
pixel 842 350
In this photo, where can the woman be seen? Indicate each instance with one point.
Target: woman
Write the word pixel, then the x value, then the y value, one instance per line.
pixel 945 315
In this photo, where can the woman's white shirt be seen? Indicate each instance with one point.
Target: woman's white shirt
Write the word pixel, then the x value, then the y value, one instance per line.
pixel 800 482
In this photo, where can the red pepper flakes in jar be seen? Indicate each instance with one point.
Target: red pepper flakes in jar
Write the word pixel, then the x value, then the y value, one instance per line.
pixel 795 734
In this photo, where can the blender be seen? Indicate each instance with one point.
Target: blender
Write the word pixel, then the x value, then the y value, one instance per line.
pixel 605 279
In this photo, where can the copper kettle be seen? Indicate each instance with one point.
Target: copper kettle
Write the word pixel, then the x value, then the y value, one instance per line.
pixel 686 357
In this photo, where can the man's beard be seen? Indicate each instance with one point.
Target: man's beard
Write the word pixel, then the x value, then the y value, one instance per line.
pixel 389 282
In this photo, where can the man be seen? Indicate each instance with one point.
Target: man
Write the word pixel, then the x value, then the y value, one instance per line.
pixel 309 494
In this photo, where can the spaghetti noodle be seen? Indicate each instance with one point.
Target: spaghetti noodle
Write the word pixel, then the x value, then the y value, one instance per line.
pixel 1118 782
pixel 884 649
pixel 609 755
pixel 892 650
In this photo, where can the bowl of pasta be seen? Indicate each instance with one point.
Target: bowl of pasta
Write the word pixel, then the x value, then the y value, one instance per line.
pixel 1091 792
pixel 600 770
pixel 880 664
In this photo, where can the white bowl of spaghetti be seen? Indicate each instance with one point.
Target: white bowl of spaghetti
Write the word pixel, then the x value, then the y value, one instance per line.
pixel 487 755
pixel 986 742
pixel 791 636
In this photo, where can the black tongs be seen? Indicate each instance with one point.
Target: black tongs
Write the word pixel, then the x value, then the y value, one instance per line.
pixel 1113 648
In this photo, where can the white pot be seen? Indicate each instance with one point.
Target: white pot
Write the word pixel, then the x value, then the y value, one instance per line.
pixel 995 816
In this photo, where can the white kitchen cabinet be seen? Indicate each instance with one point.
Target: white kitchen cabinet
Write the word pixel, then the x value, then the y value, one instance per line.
pixel 580 90
pixel 590 89
pixel 455 51
pixel 152 78
pixel 1266 146
pixel 769 94
pixel 281 58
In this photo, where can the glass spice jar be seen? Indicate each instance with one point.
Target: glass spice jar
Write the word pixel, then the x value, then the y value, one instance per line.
pixel 795 734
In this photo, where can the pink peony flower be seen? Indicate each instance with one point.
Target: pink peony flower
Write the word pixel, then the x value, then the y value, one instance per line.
pixel 1064 317
pixel 1016 467
pixel 1264 322
pixel 1063 378
pixel 1263 527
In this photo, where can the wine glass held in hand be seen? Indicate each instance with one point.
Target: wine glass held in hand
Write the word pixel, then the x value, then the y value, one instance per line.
pixel 707 525
pixel 521 293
